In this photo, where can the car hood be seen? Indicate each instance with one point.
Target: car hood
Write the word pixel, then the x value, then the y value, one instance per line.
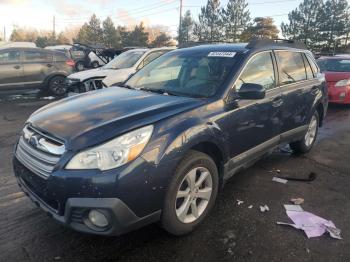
pixel 92 118
pixel 118 77
pixel 336 76
pixel 93 73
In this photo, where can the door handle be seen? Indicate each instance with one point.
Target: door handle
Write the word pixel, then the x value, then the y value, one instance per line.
pixel 277 102
pixel 17 67
pixel 49 65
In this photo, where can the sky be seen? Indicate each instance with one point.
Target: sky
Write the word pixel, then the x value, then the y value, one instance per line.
pixel 39 14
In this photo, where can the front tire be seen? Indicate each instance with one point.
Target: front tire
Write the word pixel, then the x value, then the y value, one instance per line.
pixel 191 194
pixel 304 145
pixel 95 64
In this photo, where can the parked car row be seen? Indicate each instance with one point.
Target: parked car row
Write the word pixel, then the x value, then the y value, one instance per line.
pixel 115 72
pixel 160 146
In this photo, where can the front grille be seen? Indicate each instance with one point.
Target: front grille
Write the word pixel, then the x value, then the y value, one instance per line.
pixel 38 152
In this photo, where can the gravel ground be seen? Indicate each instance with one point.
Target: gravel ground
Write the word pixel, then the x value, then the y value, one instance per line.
pixel 231 233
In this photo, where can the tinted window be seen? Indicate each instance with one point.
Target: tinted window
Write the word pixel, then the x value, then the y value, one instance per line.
pixel 9 56
pixel 291 67
pixel 309 73
pixel 259 70
pixel 334 65
pixel 36 56
pixel 194 74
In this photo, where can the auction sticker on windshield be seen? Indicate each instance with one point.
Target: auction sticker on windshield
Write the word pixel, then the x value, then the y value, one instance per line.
pixel 222 54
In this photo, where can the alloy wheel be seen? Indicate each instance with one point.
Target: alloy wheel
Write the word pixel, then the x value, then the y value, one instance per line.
pixel 58 87
pixel 194 194
pixel 311 132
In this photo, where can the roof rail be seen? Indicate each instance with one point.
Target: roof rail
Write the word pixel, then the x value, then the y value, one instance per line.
pixel 191 44
pixel 258 43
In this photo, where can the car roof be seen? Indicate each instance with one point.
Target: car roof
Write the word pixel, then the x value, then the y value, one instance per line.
pixel 137 50
pixel 240 47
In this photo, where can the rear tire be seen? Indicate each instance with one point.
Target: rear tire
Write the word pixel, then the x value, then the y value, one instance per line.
pixel 57 86
pixel 304 145
pixel 191 194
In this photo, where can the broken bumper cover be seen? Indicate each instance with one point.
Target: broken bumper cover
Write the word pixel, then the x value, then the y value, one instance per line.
pixel 121 218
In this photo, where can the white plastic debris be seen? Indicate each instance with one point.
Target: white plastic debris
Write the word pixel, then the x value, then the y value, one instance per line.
pixel 239 202
pixel 279 180
pixel 250 207
pixel 264 208
pixel 295 208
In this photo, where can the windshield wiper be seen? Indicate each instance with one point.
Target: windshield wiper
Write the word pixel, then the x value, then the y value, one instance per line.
pixel 126 86
pixel 159 91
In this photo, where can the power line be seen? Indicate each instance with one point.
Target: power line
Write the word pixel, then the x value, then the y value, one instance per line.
pixel 129 13
pixel 159 12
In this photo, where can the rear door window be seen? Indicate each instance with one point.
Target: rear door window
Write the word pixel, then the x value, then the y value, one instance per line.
pixel 36 56
pixel 259 70
pixel 12 56
pixel 291 67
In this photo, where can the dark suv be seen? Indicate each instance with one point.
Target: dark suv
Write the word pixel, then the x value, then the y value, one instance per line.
pixel 34 67
pixel 160 146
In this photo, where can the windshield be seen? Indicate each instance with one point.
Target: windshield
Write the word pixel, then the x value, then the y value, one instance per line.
pixel 334 65
pixel 125 60
pixel 193 75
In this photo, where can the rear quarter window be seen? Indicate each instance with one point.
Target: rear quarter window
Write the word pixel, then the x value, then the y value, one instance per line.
pixel 60 56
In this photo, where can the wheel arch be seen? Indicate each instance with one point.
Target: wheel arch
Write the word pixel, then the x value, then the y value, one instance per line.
pixel 212 150
pixel 49 77
pixel 321 111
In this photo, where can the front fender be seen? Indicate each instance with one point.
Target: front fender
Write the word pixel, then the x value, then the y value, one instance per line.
pixel 173 144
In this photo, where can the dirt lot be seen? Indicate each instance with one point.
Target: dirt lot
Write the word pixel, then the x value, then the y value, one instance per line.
pixel 232 232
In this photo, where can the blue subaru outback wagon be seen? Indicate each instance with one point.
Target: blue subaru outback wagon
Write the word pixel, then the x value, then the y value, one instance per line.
pixel 160 146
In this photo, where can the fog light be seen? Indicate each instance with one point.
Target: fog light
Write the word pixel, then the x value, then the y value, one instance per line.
pixel 342 95
pixel 97 218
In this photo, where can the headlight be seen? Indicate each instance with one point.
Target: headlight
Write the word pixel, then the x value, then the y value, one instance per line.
pixel 342 83
pixel 114 153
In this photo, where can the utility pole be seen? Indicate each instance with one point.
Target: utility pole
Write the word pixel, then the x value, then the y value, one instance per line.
pixel 180 22
pixel 54 27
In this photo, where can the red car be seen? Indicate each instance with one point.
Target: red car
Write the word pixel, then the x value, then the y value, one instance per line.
pixel 337 72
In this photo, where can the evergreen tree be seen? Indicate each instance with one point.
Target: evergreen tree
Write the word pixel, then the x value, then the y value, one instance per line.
pixel 236 18
pixel 263 28
pixel 91 32
pixel 333 21
pixel 304 23
pixel 161 40
pixel 209 26
pixel 137 37
pixel 111 36
pixel 186 30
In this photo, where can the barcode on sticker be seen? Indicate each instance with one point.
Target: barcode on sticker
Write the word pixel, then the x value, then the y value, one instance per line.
pixel 222 54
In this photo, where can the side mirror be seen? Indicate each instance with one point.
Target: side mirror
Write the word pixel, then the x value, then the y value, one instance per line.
pixel 251 91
